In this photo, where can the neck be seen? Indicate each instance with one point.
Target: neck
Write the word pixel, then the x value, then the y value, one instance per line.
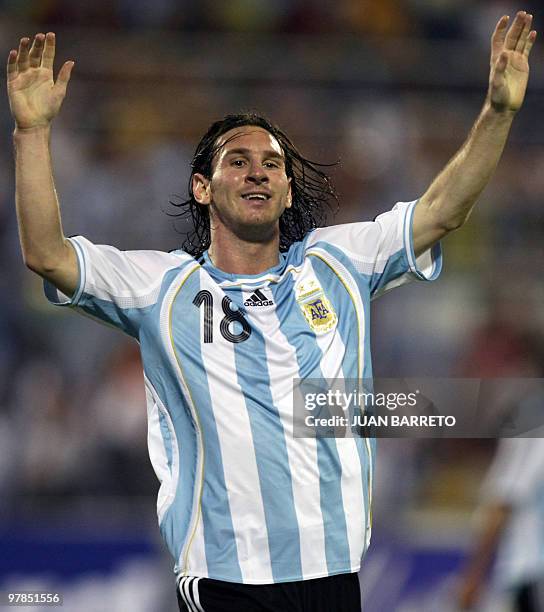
pixel 237 256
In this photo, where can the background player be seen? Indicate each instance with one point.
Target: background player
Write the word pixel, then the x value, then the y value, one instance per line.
pixel 512 519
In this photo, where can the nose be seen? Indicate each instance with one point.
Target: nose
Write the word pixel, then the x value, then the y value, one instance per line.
pixel 256 174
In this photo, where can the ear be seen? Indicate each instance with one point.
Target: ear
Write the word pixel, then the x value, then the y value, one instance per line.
pixel 289 202
pixel 201 188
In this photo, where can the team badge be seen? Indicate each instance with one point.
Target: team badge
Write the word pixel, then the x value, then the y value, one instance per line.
pixel 315 306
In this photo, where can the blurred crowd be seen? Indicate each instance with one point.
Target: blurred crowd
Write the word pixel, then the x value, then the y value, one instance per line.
pixel 388 89
pixel 438 19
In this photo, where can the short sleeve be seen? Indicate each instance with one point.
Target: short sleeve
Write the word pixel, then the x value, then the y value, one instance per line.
pixel 517 471
pixel 116 287
pixel 382 250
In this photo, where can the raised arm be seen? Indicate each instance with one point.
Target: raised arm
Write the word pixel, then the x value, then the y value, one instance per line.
pixel 35 99
pixel 448 202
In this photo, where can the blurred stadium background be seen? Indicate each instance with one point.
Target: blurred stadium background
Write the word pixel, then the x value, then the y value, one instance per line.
pixel 388 87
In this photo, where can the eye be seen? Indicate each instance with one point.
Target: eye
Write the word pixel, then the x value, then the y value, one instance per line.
pixel 238 163
pixel 271 164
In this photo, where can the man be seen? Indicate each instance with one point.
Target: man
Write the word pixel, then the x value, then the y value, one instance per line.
pixel 255 518
pixel 512 529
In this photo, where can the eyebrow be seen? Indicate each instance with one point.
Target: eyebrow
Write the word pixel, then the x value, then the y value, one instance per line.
pixel 244 151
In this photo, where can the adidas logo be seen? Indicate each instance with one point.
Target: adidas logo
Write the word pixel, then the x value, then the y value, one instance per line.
pixel 258 299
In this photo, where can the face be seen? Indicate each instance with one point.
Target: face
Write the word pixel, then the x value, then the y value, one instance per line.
pixel 249 189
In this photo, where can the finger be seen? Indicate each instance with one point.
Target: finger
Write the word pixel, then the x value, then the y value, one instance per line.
pixel 22 56
pixel 11 68
pixel 500 68
pixel 524 34
pixel 502 62
pixel 64 76
pixel 530 42
pixel 515 31
pixel 499 34
pixel 35 55
pixel 49 51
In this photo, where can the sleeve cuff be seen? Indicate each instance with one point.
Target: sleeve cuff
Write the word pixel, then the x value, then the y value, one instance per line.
pixel 57 297
pixel 428 265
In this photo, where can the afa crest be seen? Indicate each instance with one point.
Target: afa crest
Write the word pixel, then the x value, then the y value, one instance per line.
pixel 315 306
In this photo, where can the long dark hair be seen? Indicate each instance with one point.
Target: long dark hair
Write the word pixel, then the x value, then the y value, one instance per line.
pixel 311 189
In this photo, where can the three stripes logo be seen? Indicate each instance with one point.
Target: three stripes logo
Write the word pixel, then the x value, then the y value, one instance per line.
pixel 258 298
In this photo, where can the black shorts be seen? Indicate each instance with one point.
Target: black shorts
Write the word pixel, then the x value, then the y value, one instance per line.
pixel 331 594
pixel 530 597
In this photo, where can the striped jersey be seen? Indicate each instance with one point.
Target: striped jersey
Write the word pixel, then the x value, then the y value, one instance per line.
pixel 516 480
pixel 241 499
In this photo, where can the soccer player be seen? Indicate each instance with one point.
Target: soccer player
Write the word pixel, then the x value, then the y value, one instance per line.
pixel 255 518
pixel 512 530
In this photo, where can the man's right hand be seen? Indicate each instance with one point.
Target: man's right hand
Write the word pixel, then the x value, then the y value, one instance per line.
pixel 34 98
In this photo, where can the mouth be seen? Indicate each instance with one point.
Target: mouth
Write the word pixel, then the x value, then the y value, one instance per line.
pixel 256 196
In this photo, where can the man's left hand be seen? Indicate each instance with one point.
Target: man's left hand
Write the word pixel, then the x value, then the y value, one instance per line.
pixel 510 50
